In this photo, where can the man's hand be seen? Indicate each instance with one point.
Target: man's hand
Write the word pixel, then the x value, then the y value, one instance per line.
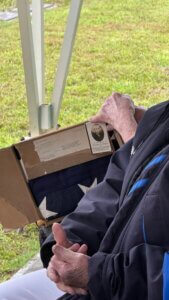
pixel 72 267
pixel 61 239
pixel 118 112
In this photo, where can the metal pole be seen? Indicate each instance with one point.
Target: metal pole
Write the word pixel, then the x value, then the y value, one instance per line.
pixel 65 58
pixel 38 42
pixel 29 65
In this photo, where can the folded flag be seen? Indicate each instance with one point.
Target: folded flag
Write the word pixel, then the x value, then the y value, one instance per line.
pixel 58 194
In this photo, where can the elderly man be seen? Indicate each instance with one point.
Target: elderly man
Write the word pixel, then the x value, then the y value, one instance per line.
pixel 115 245
pixel 101 250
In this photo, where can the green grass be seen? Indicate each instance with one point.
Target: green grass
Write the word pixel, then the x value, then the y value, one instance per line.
pixel 16 249
pixel 121 46
pixel 7 4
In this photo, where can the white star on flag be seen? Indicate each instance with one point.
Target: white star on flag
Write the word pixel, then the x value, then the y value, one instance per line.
pixel 85 189
pixel 46 213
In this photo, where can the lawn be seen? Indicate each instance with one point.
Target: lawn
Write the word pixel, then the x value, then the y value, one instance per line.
pixel 121 46
pixel 16 249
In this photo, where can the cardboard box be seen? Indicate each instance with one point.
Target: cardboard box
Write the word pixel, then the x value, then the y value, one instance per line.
pixel 39 157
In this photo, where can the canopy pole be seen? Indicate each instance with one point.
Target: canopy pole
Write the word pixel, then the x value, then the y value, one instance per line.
pixel 38 43
pixel 65 58
pixel 29 65
pixel 42 117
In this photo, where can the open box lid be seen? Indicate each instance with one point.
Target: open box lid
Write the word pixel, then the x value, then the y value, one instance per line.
pixel 16 202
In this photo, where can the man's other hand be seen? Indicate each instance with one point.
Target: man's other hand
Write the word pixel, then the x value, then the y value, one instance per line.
pixel 120 113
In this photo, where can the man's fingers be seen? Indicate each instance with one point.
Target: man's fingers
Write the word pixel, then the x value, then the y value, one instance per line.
pixel 52 274
pixel 83 249
pixel 58 265
pixel 62 253
pixel 65 288
pixel 71 290
pixel 65 254
pixel 80 291
pixel 60 235
pixel 75 247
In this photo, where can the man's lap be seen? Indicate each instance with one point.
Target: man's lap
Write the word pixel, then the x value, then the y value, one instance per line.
pixel 32 286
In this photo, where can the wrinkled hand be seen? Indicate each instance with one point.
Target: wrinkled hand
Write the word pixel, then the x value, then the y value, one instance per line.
pixel 114 109
pixel 118 112
pixel 72 268
pixel 61 239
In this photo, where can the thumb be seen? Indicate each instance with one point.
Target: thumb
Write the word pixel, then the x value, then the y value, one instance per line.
pixel 60 235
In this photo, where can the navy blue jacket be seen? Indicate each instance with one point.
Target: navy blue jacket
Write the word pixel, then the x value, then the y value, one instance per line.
pixel 125 219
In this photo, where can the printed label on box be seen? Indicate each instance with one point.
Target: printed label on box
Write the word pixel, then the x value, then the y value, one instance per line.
pixel 62 144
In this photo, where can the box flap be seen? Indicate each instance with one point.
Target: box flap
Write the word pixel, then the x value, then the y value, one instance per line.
pixel 17 206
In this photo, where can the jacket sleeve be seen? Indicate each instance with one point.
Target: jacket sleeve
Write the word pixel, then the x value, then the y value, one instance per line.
pixel 91 219
pixel 141 274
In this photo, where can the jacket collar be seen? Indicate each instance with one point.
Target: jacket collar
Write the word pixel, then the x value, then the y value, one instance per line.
pixel 145 132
